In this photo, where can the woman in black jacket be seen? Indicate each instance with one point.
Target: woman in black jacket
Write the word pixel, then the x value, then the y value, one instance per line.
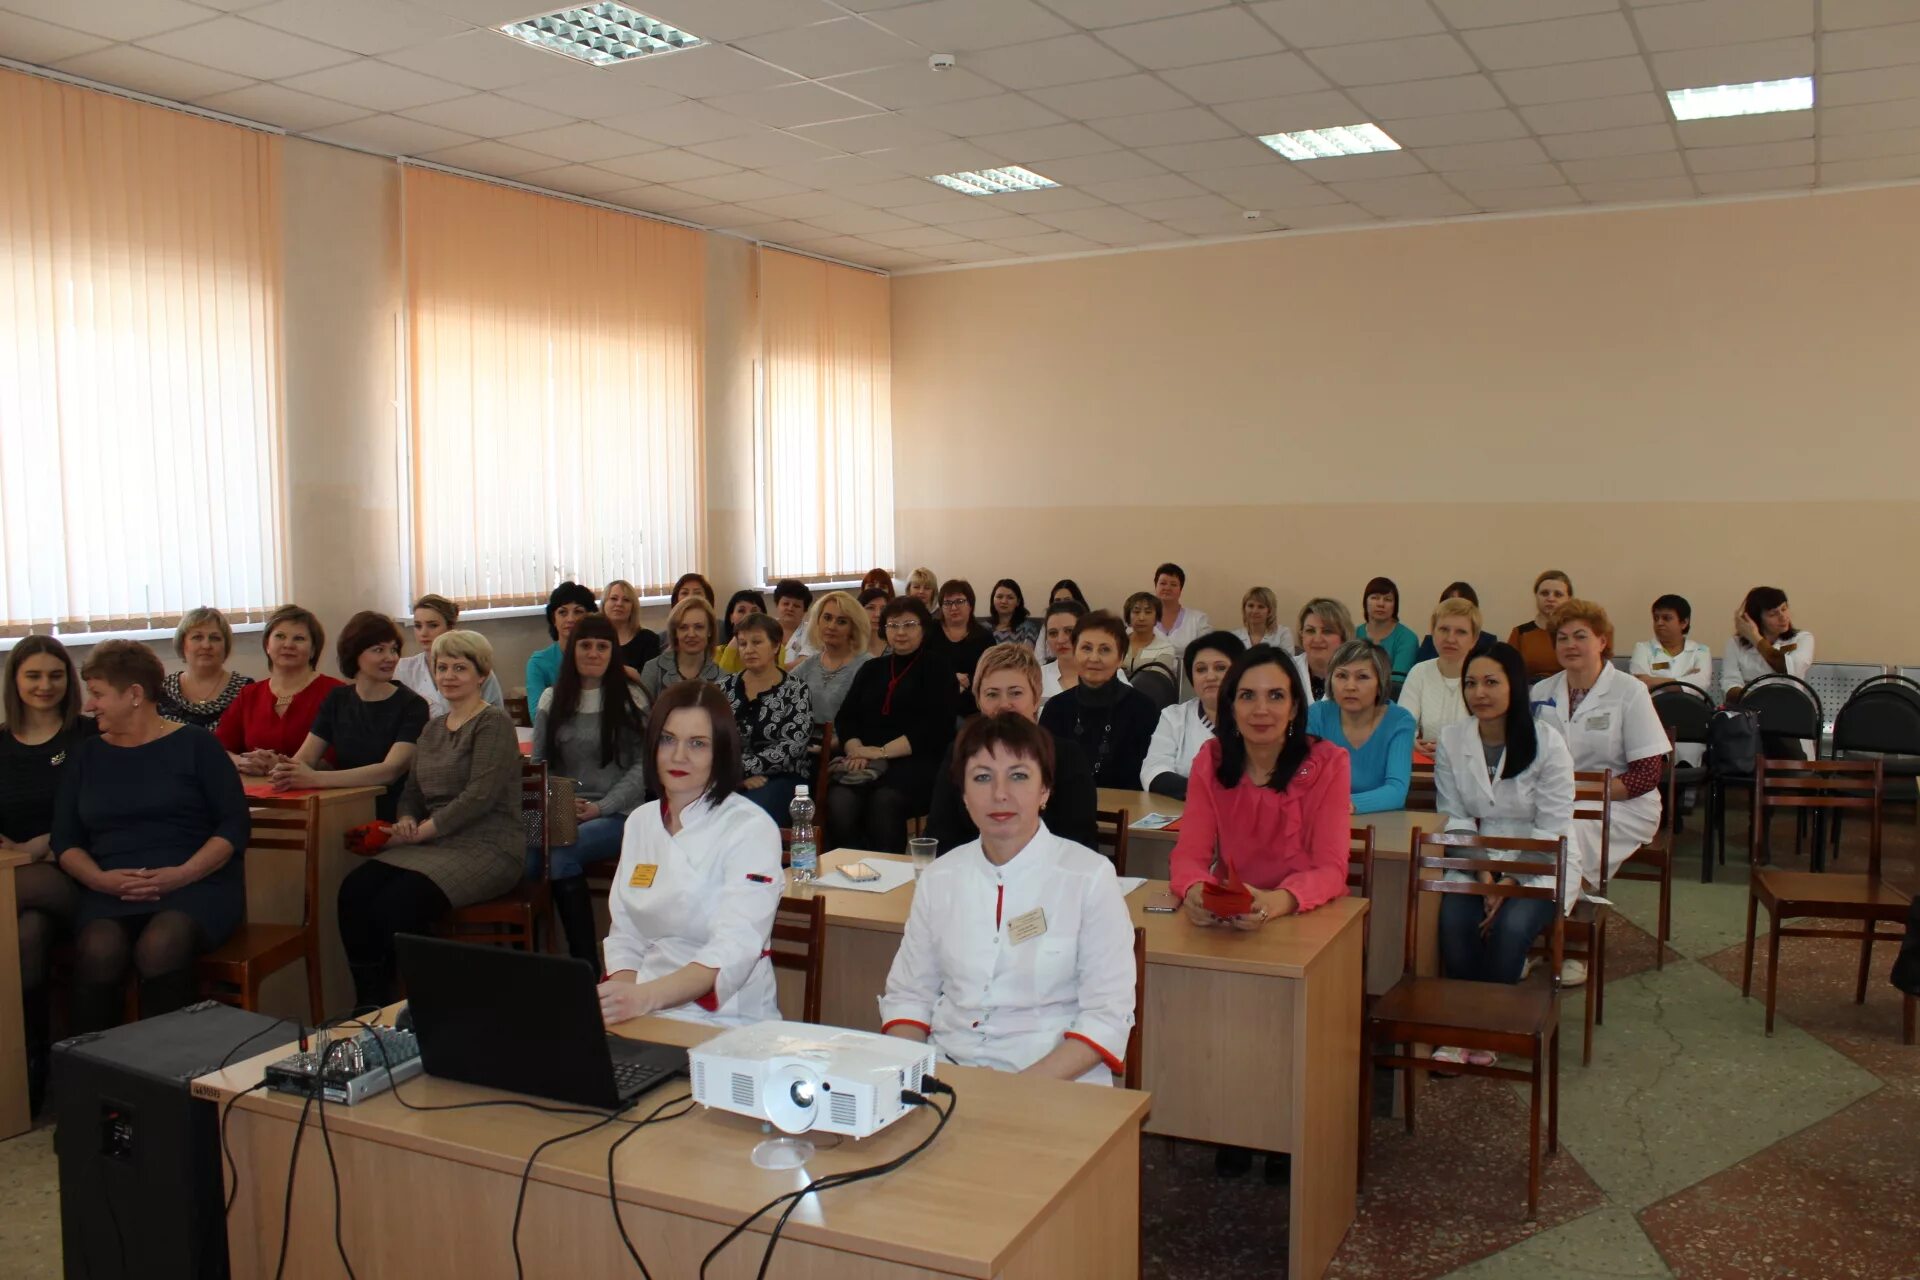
pixel 897 720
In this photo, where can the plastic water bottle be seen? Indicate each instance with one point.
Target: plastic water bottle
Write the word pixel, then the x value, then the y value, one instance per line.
pixel 802 855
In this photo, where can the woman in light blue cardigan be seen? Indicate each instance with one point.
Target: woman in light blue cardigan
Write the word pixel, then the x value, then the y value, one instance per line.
pixel 1358 716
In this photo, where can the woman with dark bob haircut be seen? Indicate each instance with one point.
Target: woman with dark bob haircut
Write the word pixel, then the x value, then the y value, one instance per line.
pixel 568 603
pixel 893 727
pixel 366 730
pixel 699 880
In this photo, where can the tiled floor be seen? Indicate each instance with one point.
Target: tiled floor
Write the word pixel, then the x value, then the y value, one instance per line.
pixel 1695 1146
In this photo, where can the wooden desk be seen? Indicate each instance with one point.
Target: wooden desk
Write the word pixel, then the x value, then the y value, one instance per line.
pixel 275 882
pixel 1147 851
pixel 15 1117
pixel 1230 1017
pixel 1032 1178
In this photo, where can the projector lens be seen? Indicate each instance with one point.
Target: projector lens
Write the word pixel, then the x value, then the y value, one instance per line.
pixel 801 1093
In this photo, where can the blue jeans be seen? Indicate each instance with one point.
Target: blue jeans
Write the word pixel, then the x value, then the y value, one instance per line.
pixel 1500 953
pixel 598 841
pixel 776 796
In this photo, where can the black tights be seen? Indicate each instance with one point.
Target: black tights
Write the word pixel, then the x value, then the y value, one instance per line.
pixel 376 902
pixel 158 947
pixel 870 817
pixel 48 898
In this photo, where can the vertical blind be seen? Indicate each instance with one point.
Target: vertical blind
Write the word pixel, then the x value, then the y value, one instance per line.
pixel 827 451
pixel 556 367
pixel 139 362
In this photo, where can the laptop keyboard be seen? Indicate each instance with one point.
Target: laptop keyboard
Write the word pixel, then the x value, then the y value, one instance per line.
pixel 631 1079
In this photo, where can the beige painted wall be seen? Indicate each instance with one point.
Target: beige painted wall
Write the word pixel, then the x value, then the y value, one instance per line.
pixel 1694 399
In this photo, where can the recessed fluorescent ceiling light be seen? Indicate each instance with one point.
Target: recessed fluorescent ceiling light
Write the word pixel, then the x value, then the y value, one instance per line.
pixel 995 182
pixel 1342 140
pixel 1758 98
pixel 602 34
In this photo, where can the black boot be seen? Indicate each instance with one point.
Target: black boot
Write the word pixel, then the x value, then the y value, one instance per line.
pixel 573 903
pixel 39 1046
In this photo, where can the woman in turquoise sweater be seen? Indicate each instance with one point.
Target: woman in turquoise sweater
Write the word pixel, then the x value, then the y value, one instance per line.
pixel 1358 716
pixel 1384 628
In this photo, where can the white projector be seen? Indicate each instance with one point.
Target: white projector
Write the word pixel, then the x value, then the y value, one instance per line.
pixel 800 1077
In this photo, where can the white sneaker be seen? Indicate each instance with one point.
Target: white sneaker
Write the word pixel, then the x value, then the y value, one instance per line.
pixel 1573 973
pixel 1449 1053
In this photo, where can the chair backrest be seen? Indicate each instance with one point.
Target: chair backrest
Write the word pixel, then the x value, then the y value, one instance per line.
pixel 1131 1076
pixel 1787 706
pixel 1110 830
pixel 518 711
pixel 1159 685
pixel 1834 682
pixel 1593 802
pixel 1834 785
pixel 293 830
pixel 1900 686
pixel 533 811
pixel 1464 851
pixel 1360 844
pixel 822 743
pixel 1881 718
pixel 799 942
pixel 1684 710
pixel 1620 663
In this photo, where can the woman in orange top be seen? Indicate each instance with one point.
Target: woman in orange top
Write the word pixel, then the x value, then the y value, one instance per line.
pixel 1534 639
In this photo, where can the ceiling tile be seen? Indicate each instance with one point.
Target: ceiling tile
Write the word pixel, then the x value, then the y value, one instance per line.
pixel 145 71
pixel 1381 164
pixel 833 48
pixel 578 179
pixel 1270 76
pixel 1333 214
pixel 1054 242
pixel 1108 225
pixel 1882 169
pixel 1186 41
pixel 1461 127
pixel 1744 180
pixel 739 186
pixel 390 135
pixel 487 115
pixel 246 49
pixel 707 71
pixel 657 199
pixel 678 123
pixel 1848 88
pixel 364 26
pixel 1493 13
pixel 1164 186
pixel 1654 164
pixel 1428 97
pixel 1184 207
pixel 960 26
pixel 976 116
pixel 481 13
pixel 1838 15
pixel 913 85
pixel 31 40
pixel 1226 153
pixel 1759 155
pixel 1296 111
pixel 1476 181
pixel 1638 191
pixel 1050 142
pixel 726 216
pixel 831 173
pixel 895 259
pixel 806 204
pixel 788 231
pixel 1484 155
pixel 669 165
pixel 1871 117
pixel 941 157
pixel 971 251
pixel 789 105
pixel 916 237
pixel 1870 47
pixel 892 194
pixel 498 158
pixel 1307 23
pixel 762 148
pixel 844 247
pixel 1716 22
pixel 1387 61
pixel 1596 113
pixel 1063 60
pixel 1737 130
pixel 1042 201
pixel 1106 166
pixel 376 86
pixel 1124 95
pixel 478 60
pixel 1735 63
pixel 1520 199
pixel 1003 225
pixel 952 210
pixel 115 19
pixel 1420 195
pixel 1610 142
pixel 581 142
pixel 1115 13
pixel 1534 44
pixel 856 222
pixel 584 93
pixel 872 133
pixel 1572 81
pixel 285 108
pixel 1276 184
pixel 1207 226
pixel 1164 128
pixel 720 20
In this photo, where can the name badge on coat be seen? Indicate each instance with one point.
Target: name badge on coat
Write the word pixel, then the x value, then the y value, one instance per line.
pixel 643 875
pixel 1601 722
pixel 1027 926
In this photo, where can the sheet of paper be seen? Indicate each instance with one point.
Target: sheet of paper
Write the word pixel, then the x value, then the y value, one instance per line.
pixel 1129 883
pixel 1154 821
pixel 892 876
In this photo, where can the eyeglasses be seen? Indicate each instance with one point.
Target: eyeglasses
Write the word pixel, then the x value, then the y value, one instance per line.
pixel 903 624
pixel 956 602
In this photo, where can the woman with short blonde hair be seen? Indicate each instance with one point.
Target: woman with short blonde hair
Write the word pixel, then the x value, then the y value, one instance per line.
pixel 638 645
pixel 202 693
pixel 923 586
pixel 433 616
pixel 1431 693
pixel 1325 625
pixel 693 625
pixel 838 633
pixel 1260 621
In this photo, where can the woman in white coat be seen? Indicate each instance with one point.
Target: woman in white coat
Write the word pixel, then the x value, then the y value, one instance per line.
pixel 1187 726
pixel 1608 721
pixel 699 881
pixel 1764 642
pixel 1049 991
pixel 1497 774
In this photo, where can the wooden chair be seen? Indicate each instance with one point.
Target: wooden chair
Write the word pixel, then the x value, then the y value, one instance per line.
pixel 1360 877
pixel 514 919
pixel 1522 1019
pixel 1114 842
pixel 1652 862
pixel 519 712
pixel 1587 922
pixel 1423 793
pixel 232 972
pixel 799 942
pixel 1131 1078
pixel 1823 786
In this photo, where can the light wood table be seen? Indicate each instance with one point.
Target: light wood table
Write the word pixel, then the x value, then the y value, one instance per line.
pixel 1031 1179
pixel 15 1117
pixel 276 881
pixel 1147 851
pixel 1251 1039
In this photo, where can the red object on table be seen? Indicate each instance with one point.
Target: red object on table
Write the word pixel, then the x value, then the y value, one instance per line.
pixel 262 790
pixel 526 748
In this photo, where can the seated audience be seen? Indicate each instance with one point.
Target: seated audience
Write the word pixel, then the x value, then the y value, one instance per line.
pixel 1059 671
pixel 43 727
pixel 924 587
pixel 791 600
pixel 271 717
pixel 152 822
pixel 1187 726
pixel 1431 693
pixel 741 605
pixel 892 729
pixel 1111 721
pixel 774 715
pixel 1498 774
pixel 1008 680
pixel 875 601
pixel 878 580
pixel 1534 639
pixel 1146 647
pixel 686 586
pixel 1058 1005
pixel 201 694
pixel 1764 641
pixel 1456 591
pixel 434 615
pixel 1673 654
pixel 639 645
pixel 1009 621
pixel 589 727
pixel 692 625
pixel 1381 604
pixel 1180 625
pixel 366 729
pixel 1361 718
pixel 1260 621
pixel 1325 625
pixel 961 638
pixel 568 603
pixel 1608 721
pixel 459 838
pixel 838 636
pixel 699 880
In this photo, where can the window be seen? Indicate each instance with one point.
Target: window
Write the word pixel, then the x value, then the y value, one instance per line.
pixel 556 357
pixel 827 422
pixel 140 363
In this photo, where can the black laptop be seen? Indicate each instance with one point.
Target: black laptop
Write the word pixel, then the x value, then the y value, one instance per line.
pixel 523 1022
